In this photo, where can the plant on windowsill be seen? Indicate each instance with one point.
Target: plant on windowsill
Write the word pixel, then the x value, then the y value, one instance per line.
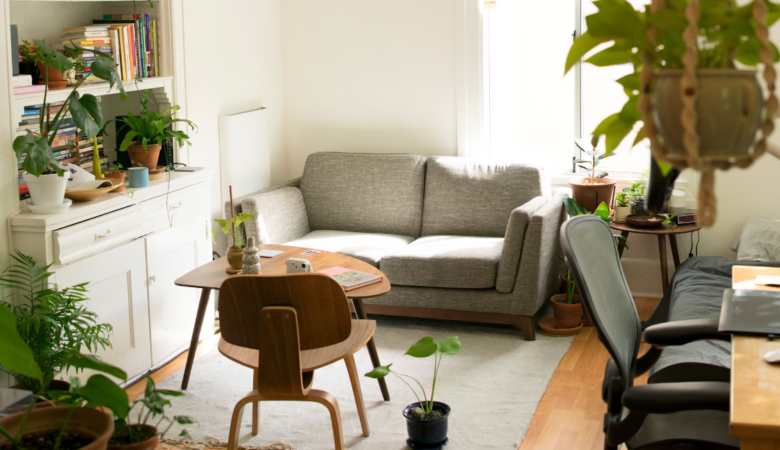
pixel 147 132
pixel 43 175
pixel 426 420
pixel 53 322
pixel 232 228
pixel 684 55
pixel 596 187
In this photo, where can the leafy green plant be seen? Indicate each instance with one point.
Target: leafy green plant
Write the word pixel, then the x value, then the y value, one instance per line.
pixel 117 169
pixel 574 209
pixel 571 286
pixel 636 191
pixel 726 35
pixel 53 323
pixel 596 157
pixel 33 150
pixel 622 199
pixel 424 348
pixel 232 227
pixel 152 127
pixel 670 221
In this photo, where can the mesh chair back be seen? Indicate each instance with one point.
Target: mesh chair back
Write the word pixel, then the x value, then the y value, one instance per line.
pixel 593 258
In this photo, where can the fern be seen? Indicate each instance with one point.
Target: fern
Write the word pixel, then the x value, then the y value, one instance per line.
pixel 52 322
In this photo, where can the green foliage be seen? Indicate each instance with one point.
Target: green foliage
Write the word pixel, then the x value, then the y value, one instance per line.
pixel 15 354
pixel 635 192
pixel 574 209
pixel 232 227
pixel 151 127
pixel 596 157
pixel 423 348
pixel 34 151
pixel 53 323
pixel 670 221
pixel 727 34
pixel 622 199
pixel 117 168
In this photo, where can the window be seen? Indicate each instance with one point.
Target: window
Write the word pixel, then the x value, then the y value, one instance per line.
pixel 531 111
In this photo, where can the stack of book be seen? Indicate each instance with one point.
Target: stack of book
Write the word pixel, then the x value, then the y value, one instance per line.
pixel 91 38
pixel 23 85
pixel 69 145
pixel 135 38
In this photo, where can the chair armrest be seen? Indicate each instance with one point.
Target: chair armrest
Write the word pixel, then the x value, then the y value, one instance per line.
pixel 666 398
pixel 513 243
pixel 684 331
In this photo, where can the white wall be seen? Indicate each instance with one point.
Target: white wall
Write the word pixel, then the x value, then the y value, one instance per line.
pixel 368 76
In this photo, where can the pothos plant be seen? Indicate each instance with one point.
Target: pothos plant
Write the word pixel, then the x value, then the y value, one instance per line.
pixel 33 150
pixel 424 348
pixel 232 228
pixel 727 35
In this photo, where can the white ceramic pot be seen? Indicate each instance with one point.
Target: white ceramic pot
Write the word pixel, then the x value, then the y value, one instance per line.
pixel 46 190
pixel 621 212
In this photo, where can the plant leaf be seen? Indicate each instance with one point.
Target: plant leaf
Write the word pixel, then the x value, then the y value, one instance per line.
pixel 449 346
pixel 81 361
pixel 603 211
pixel 379 372
pixel 101 391
pixel 573 208
pixel 86 113
pixel 423 348
pixel 15 354
pixel 582 45
pixel 602 127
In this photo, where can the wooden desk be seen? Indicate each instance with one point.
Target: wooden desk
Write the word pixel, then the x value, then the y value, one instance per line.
pixel 210 276
pixel 755 384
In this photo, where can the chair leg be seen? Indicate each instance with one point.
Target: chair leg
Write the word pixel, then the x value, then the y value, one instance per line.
pixel 355 380
pixel 238 415
pixel 255 409
pixel 330 402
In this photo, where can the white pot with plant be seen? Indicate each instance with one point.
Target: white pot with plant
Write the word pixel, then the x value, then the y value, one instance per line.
pixel 696 108
pixel 44 177
pixel 622 207
pixel 595 188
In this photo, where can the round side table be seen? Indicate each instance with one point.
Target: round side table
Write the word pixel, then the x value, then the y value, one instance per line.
pixel 662 232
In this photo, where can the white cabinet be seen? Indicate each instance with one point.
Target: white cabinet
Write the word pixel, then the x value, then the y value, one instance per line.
pixel 170 254
pixel 117 293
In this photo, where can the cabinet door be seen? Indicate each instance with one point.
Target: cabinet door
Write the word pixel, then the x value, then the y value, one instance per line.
pixel 117 293
pixel 172 253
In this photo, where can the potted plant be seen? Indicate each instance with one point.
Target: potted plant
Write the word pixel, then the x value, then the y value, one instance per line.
pixel 147 132
pixel 43 175
pixel 567 307
pixel 636 196
pixel 27 64
pixel 684 56
pixel 232 228
pixel 623 206
pixel 64 427
pixel 596 187
pixel 426 420
pixel 53 322
pixel 118 174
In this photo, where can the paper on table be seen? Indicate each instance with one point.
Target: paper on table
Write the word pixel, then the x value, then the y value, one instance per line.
pixel 768 280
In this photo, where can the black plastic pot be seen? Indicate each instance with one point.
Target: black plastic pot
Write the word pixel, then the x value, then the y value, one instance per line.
pixel 427 434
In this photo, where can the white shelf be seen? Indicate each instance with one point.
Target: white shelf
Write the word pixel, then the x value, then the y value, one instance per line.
pixel 98 90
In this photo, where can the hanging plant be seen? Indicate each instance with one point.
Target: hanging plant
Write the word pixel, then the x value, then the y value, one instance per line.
pixel 686 94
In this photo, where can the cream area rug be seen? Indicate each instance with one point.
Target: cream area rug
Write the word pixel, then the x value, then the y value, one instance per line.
pixel 493 386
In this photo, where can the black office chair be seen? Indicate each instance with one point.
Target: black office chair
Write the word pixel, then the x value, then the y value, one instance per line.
pixel 671 415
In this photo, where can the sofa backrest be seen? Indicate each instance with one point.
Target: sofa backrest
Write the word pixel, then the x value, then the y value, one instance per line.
pixel 468 197
pixel 370 193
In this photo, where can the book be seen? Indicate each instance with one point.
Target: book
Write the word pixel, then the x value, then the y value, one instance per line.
pixel 84 29
pixel 351 279
pixel 22 80
pixel 85 34
pixel 29 89
pixel 115 53
pixel 95 41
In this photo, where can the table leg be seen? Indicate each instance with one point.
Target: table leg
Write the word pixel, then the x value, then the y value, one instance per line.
pixel 361 313
pixel 204 302
pixel 675 251
pixel 622 243
pixel 664 269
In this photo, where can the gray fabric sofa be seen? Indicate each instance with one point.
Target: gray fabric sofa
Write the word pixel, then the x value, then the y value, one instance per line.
pixel 458 239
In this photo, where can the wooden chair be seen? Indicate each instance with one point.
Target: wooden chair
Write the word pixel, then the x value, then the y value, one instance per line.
pixel 285 327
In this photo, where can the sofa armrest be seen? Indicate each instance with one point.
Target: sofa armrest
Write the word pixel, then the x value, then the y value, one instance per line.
pixel 537 276
pixel 280 214
pixel 513 243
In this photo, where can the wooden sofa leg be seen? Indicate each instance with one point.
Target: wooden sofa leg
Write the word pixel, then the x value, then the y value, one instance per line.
pixel 527 324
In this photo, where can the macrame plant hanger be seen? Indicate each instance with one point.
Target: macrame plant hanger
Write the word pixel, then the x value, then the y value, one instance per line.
pixel 689 91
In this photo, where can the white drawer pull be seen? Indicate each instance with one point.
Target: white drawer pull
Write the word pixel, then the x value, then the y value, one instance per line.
pixel 101 236
pixel 176 206
pixel 152 279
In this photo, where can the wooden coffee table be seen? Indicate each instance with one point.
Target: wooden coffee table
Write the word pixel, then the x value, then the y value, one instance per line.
pixel 210 276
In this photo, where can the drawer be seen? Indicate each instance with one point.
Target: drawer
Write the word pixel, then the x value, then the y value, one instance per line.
pixel 98 234
pixel 179 205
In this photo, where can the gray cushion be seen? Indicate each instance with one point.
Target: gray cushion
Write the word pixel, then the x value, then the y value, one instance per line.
pixel 367 247
pixel 280 216
pixel 468 197
pixel 445 261
pixel 367 193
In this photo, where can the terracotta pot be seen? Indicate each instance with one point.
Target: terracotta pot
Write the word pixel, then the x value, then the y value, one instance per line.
pixel 87 421
pixel 56 79
pixel 117 176
pixel 144 158
pixel 235 258
pixel 566 316
pixel 590 196
pixel 149 444
pixel 729 107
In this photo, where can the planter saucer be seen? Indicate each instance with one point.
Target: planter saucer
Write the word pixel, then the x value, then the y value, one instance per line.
pixel 548 327
pixel 233 271
pixel 50 209
pixel 436 446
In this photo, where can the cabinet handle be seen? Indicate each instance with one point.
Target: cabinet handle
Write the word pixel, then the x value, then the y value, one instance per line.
pixel 101 236
pixel 176 206
pixel 152 279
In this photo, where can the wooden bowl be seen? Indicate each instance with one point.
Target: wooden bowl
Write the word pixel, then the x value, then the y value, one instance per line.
pixel 645 220
pixel 87 195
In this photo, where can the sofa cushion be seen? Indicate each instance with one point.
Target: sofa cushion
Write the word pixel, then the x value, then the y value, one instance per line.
pixel 280 215
pixel 366 193
pixel 445 261
pixel 367 247
pixel 468 197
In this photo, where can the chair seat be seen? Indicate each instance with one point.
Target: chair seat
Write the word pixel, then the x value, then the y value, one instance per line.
pixel 362 331
pixel 701 429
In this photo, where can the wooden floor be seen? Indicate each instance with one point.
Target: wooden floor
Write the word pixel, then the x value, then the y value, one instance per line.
pixel 571 413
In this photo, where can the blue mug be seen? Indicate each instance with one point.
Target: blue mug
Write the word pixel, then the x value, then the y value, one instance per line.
pixel 139 177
